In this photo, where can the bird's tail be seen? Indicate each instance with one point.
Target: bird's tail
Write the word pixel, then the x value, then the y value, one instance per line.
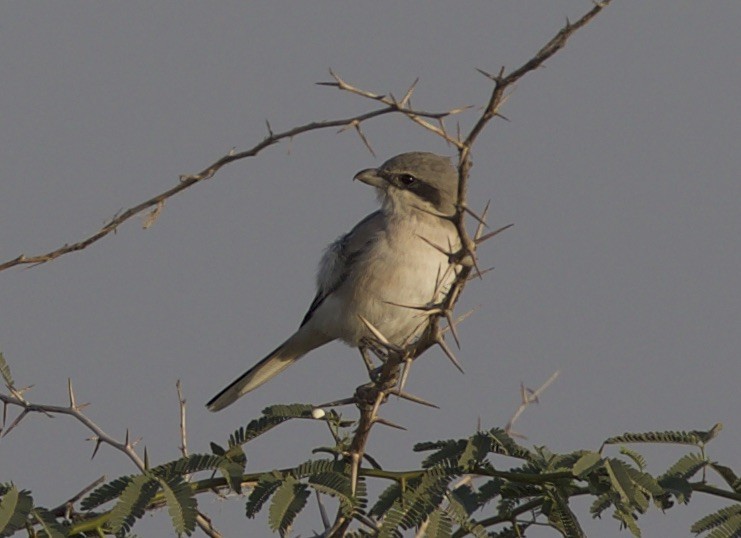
pixel 278 360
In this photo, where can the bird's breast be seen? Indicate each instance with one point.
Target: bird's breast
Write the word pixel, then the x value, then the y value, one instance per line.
pixel 405 270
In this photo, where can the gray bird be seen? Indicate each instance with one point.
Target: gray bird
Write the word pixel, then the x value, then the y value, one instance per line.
pixel 389 263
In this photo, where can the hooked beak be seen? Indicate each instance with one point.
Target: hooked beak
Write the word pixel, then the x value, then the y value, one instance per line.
pixel 370 176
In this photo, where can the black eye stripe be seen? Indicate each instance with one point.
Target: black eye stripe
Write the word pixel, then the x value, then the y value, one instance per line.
pixel 419 187
pixel 425 191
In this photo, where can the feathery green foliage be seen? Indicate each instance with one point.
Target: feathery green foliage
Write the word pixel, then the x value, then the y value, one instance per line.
pixel 674 437
pixel 462 502
pixel 15 506
pixel 132 503
pixel 272 417
pixel 438 525
pixel 637 458
pixel 193 463
pixel 726 520
pixel 288 500
pixel 263 490
pixel 48 523
pixel 686 466
pixel 105 493
pixel 181 504
pixel 503 502
pixel 556 509
pixel 728 475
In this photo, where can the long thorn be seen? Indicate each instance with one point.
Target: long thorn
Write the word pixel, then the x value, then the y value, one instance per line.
pixel 480 226
pixel 405 373
pixel 412 398
pixel 408 94
pixel 433 245
pixel 385 422
pixel 16 422
pixel 449 353
pixel 474 215
pixel 480 274
pixel 71 393
pixel 461 318
pixel 453 330
pixel 337 403
pixel 98 442
pixel 431 310
pixel 488 236
pixel 378 334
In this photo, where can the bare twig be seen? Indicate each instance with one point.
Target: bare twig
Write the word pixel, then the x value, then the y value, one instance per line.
pixel 183 431
pixel 528 397
pixel 204 523
pixel 64 509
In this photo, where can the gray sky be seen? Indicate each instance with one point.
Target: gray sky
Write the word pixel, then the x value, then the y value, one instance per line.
pixel 619 169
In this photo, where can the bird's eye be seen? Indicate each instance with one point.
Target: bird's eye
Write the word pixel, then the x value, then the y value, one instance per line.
pixel 407 179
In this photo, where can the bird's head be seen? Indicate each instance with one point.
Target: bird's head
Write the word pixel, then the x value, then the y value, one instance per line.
pixel 417 180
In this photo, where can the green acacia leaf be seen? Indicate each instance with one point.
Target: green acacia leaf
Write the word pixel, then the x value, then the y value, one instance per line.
pixel 586 463
pixel 337 485
pixel 674 437
pixel 133 501
pixel 438 525
pixel 181 504
pixel 263 490
pixel 48 523
pixel 728 475
pixel 716 519
pixel 272 417
pixel 15 506
pixel 637 458
pixel 621 481
pixel 188 465
pixel 288 501
pixel 686 466
pixel 105 493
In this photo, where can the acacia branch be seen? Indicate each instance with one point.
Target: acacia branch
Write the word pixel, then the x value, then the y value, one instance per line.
pixel 73 410
pixel 187 181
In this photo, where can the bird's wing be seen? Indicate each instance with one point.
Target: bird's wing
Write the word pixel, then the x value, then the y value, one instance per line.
pixel 340 256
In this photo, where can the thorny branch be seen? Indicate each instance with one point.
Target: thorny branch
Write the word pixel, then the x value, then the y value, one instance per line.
pixel 16 399
pixel 187 181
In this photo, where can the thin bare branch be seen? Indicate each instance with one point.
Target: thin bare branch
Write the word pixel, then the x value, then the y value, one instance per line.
pixel 529 397
pixel 183 430
pixel 63 509
pixel 204 523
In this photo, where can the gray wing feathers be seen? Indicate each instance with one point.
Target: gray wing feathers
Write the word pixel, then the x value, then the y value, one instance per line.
pixel 334 267
pixel 340 256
